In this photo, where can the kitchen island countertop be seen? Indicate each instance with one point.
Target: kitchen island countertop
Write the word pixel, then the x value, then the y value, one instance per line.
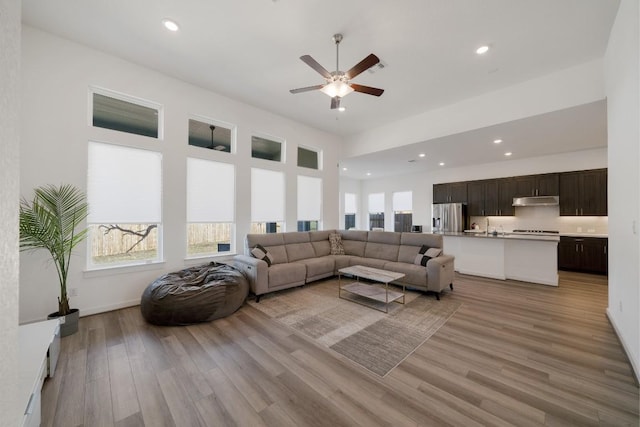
pixel 506 235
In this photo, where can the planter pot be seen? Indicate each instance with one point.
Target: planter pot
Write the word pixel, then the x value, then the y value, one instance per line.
pixel 68 323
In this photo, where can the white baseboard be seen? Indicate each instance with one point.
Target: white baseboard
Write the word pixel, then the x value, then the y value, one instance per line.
pixel 110 307
pixel 625 347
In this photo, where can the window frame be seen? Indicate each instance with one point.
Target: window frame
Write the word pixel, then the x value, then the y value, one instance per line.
pixel 218 123
pixel 126 98
pixel 272 138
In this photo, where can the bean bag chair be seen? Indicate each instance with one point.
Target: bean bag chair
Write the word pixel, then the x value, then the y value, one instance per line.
pixel 194 295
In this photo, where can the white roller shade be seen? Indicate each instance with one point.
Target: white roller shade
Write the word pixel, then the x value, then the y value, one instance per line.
pixel 402 201
pixel 376 202
pixel 124 185
pixel 350 203
pixel 210 191
pixel 309 198
pixel 267 195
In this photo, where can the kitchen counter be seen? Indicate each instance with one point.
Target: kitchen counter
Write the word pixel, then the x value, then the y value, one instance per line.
pixel 528 258
pixel 507 235
pixel 597 236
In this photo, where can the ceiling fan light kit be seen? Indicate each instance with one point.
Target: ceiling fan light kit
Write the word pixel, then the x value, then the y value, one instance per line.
pixel 338 83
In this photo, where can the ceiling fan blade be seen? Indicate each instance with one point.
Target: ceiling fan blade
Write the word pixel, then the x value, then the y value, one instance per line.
pixel 307 59
pixel 367 89
pixel 306 89
pixel 335 102
pixel 363 65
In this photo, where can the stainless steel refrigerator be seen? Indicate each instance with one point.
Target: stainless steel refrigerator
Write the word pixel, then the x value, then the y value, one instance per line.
pixel 448 217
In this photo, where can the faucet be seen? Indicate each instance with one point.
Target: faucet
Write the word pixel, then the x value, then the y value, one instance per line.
pixel 486 231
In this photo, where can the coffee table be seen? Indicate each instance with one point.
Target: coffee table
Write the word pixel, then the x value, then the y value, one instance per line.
pixel 373 291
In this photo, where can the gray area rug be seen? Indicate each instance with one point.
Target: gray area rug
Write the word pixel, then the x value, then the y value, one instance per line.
pixel 375 340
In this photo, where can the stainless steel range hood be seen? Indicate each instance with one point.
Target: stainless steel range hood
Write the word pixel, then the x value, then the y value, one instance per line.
pixel 536 201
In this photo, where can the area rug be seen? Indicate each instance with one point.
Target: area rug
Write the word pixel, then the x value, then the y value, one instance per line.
pixel 375 340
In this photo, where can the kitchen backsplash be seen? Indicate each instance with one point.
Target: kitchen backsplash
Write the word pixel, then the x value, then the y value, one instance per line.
pixel 545 218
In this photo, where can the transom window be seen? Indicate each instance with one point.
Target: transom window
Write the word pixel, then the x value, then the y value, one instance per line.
pixel 213 135
pixel 111 110
pixel 308 158
pixel 267 148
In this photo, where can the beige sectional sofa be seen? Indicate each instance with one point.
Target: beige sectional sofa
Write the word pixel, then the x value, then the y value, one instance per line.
pixel 302 257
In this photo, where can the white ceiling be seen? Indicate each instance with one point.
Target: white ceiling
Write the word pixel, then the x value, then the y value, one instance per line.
pixel 249 50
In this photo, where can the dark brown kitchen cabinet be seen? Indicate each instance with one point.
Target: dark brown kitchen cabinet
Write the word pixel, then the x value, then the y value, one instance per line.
pixel 452 192
pixel 585 254
pixel 537 185
pixel 491 197
pixel 583 193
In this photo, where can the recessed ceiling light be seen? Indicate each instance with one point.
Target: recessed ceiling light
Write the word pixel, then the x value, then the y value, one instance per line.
pixel 421 155
pixel 368 173
pixel 170 25
pixel 497 141
pixel 441 163
pixel 341 109
pixel 508 153
pixel 482 50
pixel 344 169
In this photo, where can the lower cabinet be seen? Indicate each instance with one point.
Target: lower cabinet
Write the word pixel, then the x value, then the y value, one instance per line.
pixel 586 254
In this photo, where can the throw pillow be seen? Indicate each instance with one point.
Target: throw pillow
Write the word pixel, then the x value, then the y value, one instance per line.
pixel 335 242
pixel 425 254
pixel 261 253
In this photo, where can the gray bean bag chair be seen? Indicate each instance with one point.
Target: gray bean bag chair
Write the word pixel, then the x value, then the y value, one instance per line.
pixel 194 295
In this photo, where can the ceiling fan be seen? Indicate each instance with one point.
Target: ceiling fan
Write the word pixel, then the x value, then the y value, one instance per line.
pixel 338 83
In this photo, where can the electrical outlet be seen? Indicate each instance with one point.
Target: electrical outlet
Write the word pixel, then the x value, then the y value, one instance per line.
pixel 73 292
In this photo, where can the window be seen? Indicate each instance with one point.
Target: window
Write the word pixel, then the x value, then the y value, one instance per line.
pixel 350 210
pixel 267 201
pixel 308 158
pixel 124 191
pixel 125 114
pixel 309 203
pixel 376 211
pixel 212 135
pixel 267 149
pixel 210 207
pixel 402 210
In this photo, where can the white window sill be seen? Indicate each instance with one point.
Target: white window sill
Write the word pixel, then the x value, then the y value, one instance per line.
pixel 123 269
pixel 195 260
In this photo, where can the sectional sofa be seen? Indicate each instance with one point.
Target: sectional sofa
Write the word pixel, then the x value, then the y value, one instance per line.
pixel 297 258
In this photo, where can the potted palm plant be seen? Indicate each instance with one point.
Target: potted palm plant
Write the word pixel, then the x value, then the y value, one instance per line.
pixel 50 221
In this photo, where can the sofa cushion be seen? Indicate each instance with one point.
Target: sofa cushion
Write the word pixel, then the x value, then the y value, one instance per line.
pixel 260 252
pixel 341 261
pixel 318 267
pixel 278 254
pixel 298 251
pixel 353 247
pixel 419 239
pixel 390 238
pixel 320 242
pixel 286 274
pixel 295 237
pixel 335 244
pixel 382 251
pixel 413 274
pixel 367 262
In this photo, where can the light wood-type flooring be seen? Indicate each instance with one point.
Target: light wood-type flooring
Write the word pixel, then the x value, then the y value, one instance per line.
pixel 513 354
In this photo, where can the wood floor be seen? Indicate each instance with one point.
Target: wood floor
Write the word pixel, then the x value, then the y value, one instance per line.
pixel 513 354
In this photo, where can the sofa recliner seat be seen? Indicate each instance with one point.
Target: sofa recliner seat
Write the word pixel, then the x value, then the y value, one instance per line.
pixel 305 256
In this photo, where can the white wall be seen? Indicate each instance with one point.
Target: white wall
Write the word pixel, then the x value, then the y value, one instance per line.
pixel 56 79
pixel 562 89
pixel 422 184
pixel 622 71
pixel 9 196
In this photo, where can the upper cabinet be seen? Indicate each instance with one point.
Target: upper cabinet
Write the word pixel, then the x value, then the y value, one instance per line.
pixel 491 197
pixel 453 192
pixel 583 193
pixel 537 185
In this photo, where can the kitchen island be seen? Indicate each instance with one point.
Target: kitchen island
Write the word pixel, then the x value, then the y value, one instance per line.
pixel 528 258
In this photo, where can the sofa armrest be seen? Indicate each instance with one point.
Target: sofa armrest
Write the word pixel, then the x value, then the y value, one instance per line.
pixel 256 271
pixel 440 272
